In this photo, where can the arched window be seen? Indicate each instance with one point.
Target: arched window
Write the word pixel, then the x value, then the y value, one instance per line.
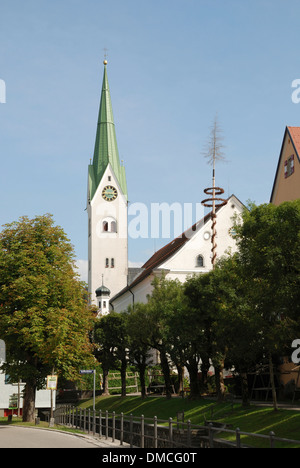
pixel 109 224
pixel 199 261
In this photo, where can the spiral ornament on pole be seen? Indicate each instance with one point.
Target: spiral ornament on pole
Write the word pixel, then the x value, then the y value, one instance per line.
pixel 214 202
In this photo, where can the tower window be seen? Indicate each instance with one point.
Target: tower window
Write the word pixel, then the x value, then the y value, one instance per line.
pixel 109 224
pixel 112 263
pixel 199 261
pixel 106 263
pixel 109 178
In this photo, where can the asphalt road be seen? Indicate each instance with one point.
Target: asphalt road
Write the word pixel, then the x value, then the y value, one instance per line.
pixel 27 437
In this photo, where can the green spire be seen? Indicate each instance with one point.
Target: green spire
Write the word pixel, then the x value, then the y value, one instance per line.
pixel 106 149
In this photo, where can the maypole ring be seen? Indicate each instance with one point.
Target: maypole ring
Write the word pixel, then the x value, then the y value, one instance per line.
pixel 208 202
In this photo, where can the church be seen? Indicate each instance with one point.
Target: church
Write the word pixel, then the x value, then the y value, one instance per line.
pixel 111 284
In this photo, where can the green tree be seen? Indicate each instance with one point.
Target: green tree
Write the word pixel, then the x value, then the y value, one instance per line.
pixel 164 304
pixel 269 256
pixel 205 297
pixel 44 319
pixel 139 349
pixel 111 346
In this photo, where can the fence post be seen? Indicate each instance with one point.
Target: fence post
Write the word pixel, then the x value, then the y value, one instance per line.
pixel 89 420
pixel 170 432
pixel 155 431
pixel 131 430
pixel 106 424
pixel 142 431
pixel 84 419
pixel 113 426
pixel 210 435
pixel 94 421
pixel 100 424
pixel 189 433
pixel 272 441
pixel 122 429
pixel 238 437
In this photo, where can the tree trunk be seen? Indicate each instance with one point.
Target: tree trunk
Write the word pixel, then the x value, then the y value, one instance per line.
pixel 123 377
pixel 245 389
pixel 220 387
pixel 29 402
pixel 166 373
pixel 192 367
pixel 142 370
pixel 274 396
pixel 205 365
pixel 105 381
pixel 180 371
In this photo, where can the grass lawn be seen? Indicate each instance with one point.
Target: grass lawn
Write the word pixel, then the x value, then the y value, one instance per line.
pixel 284 423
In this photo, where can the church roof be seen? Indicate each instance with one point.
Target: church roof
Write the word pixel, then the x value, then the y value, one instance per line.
pixel 102 291
pixel 106 148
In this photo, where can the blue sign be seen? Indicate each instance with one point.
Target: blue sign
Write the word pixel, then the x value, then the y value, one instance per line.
pixel 86 371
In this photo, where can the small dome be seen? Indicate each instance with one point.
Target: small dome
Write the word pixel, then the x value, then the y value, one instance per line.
pixel 102 291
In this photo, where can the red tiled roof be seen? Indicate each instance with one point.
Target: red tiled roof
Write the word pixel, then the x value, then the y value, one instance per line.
pixel 295 136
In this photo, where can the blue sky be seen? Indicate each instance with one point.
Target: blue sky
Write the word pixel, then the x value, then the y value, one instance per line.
pixel 172 64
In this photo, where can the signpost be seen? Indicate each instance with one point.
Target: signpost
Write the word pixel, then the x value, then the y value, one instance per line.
pixel 51 385
pixel 91 371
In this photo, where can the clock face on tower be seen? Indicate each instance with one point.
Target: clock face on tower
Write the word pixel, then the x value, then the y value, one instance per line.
pixel 109 193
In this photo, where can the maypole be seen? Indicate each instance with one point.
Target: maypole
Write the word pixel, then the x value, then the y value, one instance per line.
pixel 214 153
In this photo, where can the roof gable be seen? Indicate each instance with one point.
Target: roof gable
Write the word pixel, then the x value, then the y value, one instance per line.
pixel 291 134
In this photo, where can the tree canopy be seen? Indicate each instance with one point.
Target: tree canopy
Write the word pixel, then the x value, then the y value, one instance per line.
pixel 44 318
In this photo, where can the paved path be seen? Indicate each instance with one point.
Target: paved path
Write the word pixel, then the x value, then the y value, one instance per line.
pixel 31 437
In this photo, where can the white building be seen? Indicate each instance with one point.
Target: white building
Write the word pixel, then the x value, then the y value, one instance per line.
pixel 11 393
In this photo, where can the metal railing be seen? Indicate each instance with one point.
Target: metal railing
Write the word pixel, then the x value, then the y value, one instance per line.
pixel 159 433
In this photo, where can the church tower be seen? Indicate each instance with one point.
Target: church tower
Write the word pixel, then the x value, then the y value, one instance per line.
pixel 106 206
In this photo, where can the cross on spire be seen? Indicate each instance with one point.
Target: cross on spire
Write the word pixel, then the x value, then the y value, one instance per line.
pixel 105 55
